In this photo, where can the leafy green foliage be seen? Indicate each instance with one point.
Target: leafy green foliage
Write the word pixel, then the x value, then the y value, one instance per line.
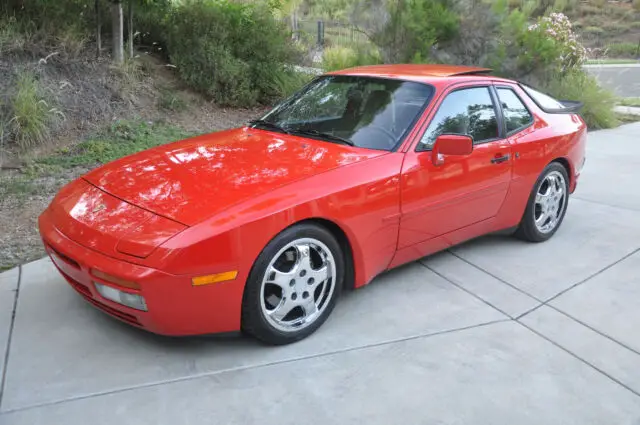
pixel 231 52
pixel 413 27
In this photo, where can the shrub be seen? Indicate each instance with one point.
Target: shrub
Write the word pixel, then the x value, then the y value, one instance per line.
pixel 636 5
pixel 545 54
pixel 13 37
pixel 32 117
pixel 622 50
pixel 336 58
pixel 593 31
pixel 598 102
pixel 171 101
pixel 288 82
pixel 229 51
pixel 412 27
pixel 552 41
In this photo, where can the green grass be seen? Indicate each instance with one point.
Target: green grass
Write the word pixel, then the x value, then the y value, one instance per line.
pixel 627 118
pixel 32 115
pixel 120 139
pixel 629 101
pixel 17 186
pixel 622 50
pixel 171 101
pixel 598 102
pixel 611 61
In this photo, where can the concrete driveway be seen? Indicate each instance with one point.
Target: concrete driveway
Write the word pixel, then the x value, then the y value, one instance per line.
pixel 496 331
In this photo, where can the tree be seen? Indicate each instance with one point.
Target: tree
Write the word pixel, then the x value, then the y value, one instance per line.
pixel 117 29
pixel 98 28
pixel 130 28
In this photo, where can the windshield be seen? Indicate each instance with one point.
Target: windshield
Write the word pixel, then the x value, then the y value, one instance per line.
pixel 366 112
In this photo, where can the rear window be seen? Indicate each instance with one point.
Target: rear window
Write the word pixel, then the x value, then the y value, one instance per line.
pixel 543 100
pixel 551 105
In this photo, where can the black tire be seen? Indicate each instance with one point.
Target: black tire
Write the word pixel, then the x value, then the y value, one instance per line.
pixel 254 322
pixel 527 229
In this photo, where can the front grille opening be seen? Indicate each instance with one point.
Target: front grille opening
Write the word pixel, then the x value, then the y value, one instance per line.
pixel 65 258
pixel 86 294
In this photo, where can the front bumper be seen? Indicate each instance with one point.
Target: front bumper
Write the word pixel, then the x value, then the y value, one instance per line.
pixel 175 306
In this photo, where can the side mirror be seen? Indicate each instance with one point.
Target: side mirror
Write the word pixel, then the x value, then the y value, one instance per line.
pixel 451 144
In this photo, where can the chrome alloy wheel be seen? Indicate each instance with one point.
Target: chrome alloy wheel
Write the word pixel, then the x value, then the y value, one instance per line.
pixel 550 202
pixel 298 284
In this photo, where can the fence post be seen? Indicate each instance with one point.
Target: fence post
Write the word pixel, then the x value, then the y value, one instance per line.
pixel 320 33
pixel 295 30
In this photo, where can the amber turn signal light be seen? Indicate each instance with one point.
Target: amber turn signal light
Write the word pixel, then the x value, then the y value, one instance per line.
pixel 214 278
pixel 115 280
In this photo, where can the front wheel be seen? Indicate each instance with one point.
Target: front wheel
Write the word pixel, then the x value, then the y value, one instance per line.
pixel 547 205
pixel 293 285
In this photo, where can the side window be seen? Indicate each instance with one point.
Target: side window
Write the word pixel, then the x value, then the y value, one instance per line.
pixel 467 111
pixel 516 115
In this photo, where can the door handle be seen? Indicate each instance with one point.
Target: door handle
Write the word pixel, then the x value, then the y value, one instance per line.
pixel 499 159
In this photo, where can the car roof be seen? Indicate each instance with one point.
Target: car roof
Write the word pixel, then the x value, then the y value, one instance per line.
pixel 418 72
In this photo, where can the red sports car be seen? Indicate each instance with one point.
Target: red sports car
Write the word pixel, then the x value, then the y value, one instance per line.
pixel 260 228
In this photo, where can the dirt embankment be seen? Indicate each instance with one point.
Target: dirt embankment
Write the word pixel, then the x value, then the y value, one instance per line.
pixel 88 94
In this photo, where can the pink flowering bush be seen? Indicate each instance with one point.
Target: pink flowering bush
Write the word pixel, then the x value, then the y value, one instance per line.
pixel 551 42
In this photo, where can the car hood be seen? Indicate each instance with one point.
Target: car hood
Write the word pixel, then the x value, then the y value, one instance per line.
pixel 193 179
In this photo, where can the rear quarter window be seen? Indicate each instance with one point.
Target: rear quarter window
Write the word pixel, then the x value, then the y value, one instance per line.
pixel 551 105
pixel 543 100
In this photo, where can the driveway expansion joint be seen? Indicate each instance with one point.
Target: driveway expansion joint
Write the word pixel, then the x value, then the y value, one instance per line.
pixel 466 290
pixel 249 367
pixel 544 303
pixel 597 369
pixel 591 276
pixel 591 201
pixel 499 279
pixel 3 378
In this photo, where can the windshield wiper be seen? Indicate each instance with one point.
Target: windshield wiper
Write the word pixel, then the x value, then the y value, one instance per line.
pixel 316 133
pixel 269 125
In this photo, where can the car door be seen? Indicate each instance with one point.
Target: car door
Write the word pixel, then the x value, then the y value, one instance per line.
pixel 460 190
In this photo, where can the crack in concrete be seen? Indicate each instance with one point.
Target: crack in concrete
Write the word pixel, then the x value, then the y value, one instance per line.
pixel 8 348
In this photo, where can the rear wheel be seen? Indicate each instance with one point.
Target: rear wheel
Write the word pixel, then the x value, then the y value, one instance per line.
pixel 547 205
pixel 293 285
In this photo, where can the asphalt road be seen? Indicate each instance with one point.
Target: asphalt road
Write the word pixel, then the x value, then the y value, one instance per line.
pixel 624 80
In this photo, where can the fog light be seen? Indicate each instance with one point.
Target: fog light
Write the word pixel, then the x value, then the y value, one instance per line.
pixel 124 298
